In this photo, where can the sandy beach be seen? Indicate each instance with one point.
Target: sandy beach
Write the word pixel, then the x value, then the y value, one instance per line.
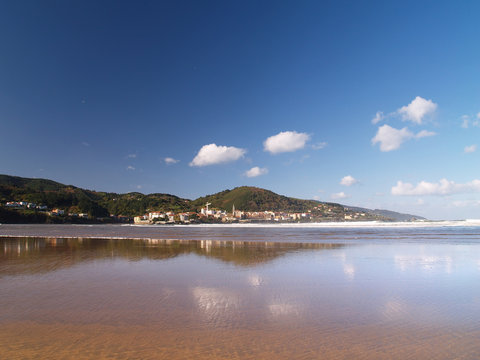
pixel 82 298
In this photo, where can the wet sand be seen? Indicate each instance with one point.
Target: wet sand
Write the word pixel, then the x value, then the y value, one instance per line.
pixel 158 299
pixel 60 341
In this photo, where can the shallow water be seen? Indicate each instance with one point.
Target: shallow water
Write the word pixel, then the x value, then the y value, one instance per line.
pixel 276 294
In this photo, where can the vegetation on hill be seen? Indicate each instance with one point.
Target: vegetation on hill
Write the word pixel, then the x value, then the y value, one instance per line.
pixel 135 203
pixel 75 200
pixel 393 215
pixel 249 198
pixel 71 198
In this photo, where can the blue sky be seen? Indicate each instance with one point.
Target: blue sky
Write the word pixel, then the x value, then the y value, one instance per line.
pixel 280 95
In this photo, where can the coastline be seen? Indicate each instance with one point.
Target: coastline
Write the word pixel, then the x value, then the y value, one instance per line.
pixel 467 232
pixel 325 224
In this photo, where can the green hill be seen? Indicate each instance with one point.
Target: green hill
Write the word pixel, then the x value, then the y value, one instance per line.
pixel 249 198
pixel 73 199
pixel 33 185
pixel 54 194
pixel 135 203
pixel 102 204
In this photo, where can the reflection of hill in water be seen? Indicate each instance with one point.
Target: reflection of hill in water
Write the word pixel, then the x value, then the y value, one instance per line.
pixel 34 255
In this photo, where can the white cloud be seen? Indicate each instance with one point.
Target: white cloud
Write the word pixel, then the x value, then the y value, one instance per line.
pixel 340 195
pixel 130 167
pixel 86 144
pixel 391 138
pixel 424 133
pixel 256 171
pixel 170 161
pixel 348 180
pixel 470 149
pixel 443 187
pixel 467 121
pixel 131 156
pixel 466 203
pixel 417 110
pixel 286 141
pixel 212 154
pixel 319 145
pixel 378 117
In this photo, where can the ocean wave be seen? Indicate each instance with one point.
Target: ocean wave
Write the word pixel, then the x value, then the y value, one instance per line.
pixel 357 224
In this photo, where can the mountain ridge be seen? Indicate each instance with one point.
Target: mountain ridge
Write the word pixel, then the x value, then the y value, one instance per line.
pixel 102 204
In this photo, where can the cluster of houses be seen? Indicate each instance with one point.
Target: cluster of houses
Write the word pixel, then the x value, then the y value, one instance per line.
pixel 208 215
pixel 25 205
pixel 163 218
pixel 33 206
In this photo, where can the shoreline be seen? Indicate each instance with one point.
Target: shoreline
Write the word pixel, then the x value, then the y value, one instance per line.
pixel 333 224
pixel 467 232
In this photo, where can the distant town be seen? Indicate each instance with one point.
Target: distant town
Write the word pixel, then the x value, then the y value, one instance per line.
pixel 62 213
pixel 25 200
pixel 207 214
pixel 323 212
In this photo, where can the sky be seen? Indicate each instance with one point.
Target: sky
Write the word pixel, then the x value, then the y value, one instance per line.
pixel 372 104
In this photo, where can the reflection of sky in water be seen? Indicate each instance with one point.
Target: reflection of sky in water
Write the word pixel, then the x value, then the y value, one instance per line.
pixel 255 280
pixel 394 310
pixel 216 304
pixel 283 309
pixel 242 283
pixel 412 262
pixel 348 268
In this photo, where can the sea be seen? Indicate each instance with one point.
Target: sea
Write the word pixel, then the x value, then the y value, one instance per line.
pixel 241 291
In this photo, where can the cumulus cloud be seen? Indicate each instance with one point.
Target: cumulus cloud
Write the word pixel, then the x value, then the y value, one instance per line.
pixel 425 133
pixel 286 141
pixel 131 156
pixel 319 145
pixel 348 180
pixel 130 167
pixel 443 187
pixel 391 138
pixel 170 161
pixel 212 154
pixel 470 149
pixel 465 203
pixel 378 117
pixel 417 110
pixel 256 171
pixel 467 121
pixel 340 195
